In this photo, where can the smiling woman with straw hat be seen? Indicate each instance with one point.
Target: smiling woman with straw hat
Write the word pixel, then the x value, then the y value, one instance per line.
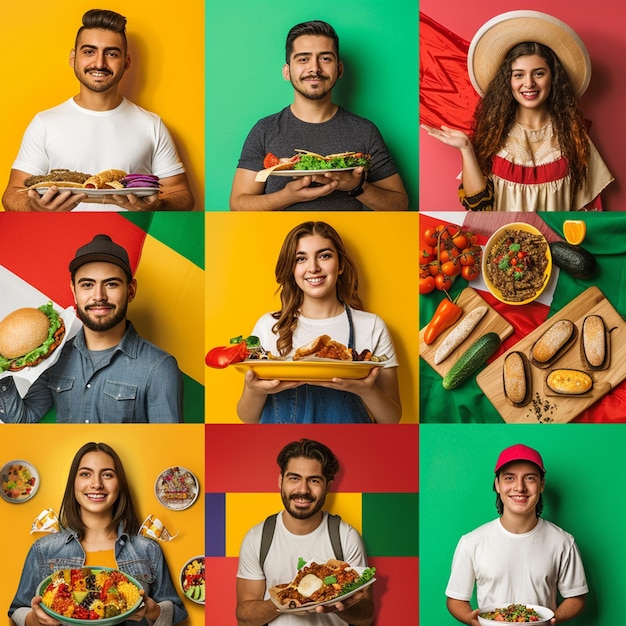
pixel 529 150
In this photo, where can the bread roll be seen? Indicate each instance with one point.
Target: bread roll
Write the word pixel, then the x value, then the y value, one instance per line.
pixel 553 341
pixel 594 342
pixel 516 378
pixel 23 330
pixel 569 382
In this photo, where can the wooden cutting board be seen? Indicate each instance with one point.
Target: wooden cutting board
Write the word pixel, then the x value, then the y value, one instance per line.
pixel 469 299
pixel 560 409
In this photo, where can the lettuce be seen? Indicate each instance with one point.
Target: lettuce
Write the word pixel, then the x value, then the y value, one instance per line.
pixel 365 577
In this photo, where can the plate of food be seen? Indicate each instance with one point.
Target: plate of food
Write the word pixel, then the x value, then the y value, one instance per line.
pixel 305 163
pixel 320 583
pixel 192 580
pixel 176 488
pixel 515 614
pixel 19 481
pixel 517 263
pixel 313 369
pixel 140 192
pixel 75 596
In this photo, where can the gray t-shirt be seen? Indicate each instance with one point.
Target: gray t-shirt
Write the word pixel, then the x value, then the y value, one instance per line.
pixel 283 133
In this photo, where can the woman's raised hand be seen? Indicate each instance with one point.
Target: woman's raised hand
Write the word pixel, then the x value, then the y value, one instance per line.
pixel 449 136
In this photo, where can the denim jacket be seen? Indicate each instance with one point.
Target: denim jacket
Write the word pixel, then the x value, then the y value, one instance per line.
pixel 138 383
pixel 138 556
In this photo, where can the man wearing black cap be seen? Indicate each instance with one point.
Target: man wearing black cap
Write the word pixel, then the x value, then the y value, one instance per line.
pixel 106 373
pixel 519 557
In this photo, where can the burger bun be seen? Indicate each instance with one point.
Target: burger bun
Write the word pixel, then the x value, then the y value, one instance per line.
pixel 22 331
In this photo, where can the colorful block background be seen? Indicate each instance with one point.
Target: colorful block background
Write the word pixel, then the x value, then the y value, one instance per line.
pixel 242 249
pixel 166 75
pixel 165 249
pixel 375 491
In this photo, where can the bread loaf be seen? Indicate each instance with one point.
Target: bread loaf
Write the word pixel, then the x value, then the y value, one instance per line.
pixel 516 379
pixel 594 341
pixel 569 382
pixel 548 346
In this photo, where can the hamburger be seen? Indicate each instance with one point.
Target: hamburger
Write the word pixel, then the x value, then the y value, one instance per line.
pixel 28 336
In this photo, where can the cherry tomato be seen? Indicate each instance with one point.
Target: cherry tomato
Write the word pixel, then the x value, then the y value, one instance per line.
pixel 448 254
pixel 427 254
pixel 469 272
pixel 434 269
pixel 424 270
pixel 429 237
pixel 270 160
pixel 467 258
pixel 443 282
pixel 460 239
pixel 427 284
pixel 451 268
pixel 443 232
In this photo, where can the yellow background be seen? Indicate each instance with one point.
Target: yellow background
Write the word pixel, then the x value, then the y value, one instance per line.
pixel 241 253
pixel 166 75
pixel 145 452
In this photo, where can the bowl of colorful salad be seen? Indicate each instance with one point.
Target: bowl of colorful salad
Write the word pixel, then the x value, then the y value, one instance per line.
pixel 530 614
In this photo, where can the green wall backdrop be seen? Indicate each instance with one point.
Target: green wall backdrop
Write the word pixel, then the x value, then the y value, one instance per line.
pixel 245 44
pixel 583 495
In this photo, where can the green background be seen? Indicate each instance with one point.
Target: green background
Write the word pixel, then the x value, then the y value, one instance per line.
pixel 584 470
pixel 245 52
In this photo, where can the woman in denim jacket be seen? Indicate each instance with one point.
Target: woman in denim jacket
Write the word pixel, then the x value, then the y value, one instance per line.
pixel 100 528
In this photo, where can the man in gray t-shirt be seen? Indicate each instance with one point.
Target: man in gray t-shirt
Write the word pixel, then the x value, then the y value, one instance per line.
pixel 314 122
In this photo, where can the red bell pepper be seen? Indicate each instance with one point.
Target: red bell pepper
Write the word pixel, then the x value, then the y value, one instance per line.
pixel 223 356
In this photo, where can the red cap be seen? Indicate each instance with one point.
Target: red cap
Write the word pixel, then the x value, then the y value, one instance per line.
pixel 519 452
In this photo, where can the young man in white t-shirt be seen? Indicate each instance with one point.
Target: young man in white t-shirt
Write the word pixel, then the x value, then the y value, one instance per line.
pixel 520 557
pixel 307 470
pixel 98 130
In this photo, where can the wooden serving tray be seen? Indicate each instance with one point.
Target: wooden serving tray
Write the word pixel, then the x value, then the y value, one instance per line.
pixel 548 407
pixel 492 321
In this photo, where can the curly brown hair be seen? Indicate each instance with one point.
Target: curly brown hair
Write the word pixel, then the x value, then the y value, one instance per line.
pixel 291 296
pixel 495 114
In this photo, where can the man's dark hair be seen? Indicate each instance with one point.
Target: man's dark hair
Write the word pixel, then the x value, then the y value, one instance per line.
pixel 314 27
pixel 107 20
pixel 500 505
pixel 309 449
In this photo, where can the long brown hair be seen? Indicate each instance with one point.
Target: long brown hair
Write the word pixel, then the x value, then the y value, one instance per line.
pixel 123 509
pixel 495 114
pixel 291 296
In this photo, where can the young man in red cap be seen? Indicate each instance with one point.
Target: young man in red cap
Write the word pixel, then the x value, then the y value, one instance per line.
pixel 519 557
pixel 107 372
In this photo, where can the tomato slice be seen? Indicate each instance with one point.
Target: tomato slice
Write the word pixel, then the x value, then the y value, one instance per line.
pixel 270 160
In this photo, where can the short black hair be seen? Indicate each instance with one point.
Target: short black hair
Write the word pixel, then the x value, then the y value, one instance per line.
pixel 309 449
pixel 314 27
pixel 107 20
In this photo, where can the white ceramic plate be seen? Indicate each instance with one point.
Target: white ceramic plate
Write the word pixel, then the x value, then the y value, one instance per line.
pixel 140 192
pixel 176 488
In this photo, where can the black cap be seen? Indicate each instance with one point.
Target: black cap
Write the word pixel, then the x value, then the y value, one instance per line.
pixel 101 248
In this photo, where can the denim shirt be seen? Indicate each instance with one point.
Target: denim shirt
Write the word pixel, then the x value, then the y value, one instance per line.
pixel 138 382
pixel 138 556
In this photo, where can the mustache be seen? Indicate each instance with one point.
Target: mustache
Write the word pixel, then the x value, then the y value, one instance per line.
pixel 103 70
pixel 99 304
pixel 301 497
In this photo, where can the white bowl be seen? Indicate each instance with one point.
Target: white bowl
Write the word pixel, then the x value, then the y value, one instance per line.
pixel 545 613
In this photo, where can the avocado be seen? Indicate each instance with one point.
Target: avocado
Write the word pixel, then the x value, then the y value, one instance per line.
pixel 79 596
pixel 202 593
pixel 575 260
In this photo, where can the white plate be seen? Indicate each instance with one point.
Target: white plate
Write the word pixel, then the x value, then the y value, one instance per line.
pixel 309 172
pixel 21 487
pixel 140 192
pixel 176 488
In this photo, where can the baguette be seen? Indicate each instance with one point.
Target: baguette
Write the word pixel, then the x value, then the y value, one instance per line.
pixel 459 334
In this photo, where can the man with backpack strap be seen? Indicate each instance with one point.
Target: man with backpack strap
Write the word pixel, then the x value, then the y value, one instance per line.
pixel 270 550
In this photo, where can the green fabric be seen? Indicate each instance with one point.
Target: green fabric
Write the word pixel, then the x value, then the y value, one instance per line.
pixel 606 240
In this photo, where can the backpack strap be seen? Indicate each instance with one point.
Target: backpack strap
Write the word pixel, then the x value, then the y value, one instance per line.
pixel 267 535
pixel 333 532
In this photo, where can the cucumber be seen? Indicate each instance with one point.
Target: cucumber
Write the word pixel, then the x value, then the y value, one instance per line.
pixel 471 360
pixel 575 260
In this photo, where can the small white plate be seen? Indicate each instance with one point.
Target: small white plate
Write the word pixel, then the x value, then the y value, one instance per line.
pixel 176 488
pixel 19 481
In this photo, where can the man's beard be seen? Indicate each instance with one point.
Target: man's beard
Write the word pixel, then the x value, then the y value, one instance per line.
pixel 84 79
pixel 312 94
pixel 297 513
pixel 104 324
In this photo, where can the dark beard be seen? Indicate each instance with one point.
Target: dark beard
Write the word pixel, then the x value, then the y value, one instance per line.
pixel 105 324
pixel 313 95
pixel 302 514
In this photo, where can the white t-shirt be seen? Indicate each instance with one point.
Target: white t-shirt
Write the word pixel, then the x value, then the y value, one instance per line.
pixel 370 333
pixel 523 568
pixel 70 137
pixel 281 563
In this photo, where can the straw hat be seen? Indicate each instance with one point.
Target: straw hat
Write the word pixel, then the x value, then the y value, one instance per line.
pixel 494 39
